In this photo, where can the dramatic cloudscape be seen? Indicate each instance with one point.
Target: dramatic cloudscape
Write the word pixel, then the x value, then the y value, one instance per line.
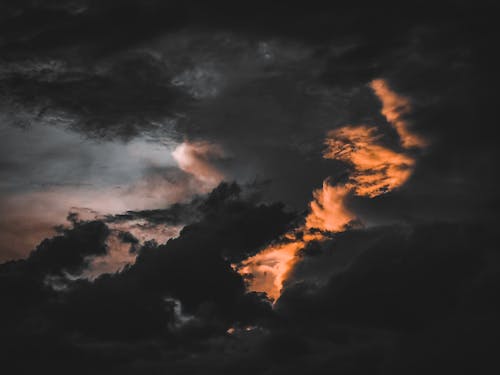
pixel 197 187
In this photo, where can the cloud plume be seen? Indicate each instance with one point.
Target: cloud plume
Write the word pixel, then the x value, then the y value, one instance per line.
pixel 374 170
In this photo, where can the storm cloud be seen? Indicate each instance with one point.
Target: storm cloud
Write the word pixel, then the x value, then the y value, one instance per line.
pixel 162 161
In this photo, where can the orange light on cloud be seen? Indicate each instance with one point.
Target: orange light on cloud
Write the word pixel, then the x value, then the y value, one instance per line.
pixel 268 270
pixel 394 108
pixel 328 211
pixel 375 170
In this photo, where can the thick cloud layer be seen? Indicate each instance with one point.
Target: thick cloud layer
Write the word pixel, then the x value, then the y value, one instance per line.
pixel 127 115
pixel 392 300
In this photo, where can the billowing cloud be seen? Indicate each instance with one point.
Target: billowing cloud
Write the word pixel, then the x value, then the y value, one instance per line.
pixel 230 228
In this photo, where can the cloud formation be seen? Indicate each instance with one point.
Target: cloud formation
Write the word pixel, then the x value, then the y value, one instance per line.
pixel 386 112
pixel 376 170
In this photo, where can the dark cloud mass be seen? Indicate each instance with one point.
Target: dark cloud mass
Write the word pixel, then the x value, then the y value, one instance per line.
pixel 122 123
pixel 139 303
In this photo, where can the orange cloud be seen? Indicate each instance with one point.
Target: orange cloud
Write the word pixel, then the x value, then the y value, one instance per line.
pixel 375 170
pixel 268 270
pixel 394 108
pixel 327 210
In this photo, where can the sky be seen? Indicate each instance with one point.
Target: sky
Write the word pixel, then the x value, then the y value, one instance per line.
pixel 193 187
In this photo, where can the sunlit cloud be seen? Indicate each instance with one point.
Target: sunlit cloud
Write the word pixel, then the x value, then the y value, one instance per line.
pixel 328 209
pixel 267 271
pixel 394 108
pixel 374 168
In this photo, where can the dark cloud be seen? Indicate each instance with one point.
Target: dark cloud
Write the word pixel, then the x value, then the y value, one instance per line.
pixel 25 291
pixel 411 300
pixel 267 91
pixel 182 290
pixel 70 57
pixel 66 252
pixel 183 213
pixel 404 293
pixel 129 94
pixel 413 291
pixel 422 268
pixel 85 24
pixel 385 298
